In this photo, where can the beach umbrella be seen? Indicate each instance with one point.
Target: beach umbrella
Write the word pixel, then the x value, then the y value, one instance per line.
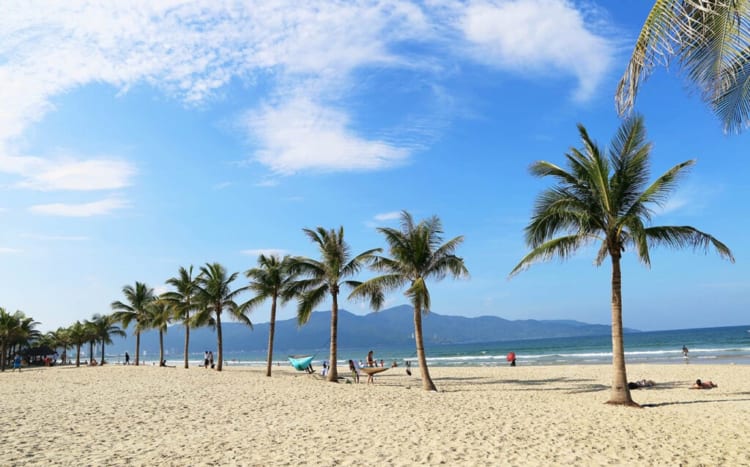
pixel 511 356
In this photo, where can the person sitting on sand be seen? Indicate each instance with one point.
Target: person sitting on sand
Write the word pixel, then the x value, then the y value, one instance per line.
pixel 93 362
pixel 703 384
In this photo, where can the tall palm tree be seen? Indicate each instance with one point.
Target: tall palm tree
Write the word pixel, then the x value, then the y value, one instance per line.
pixel 710 41
pixel 216 296
pixel 104 327
pixel 607 198
pixel 160 313
pixel 326 277
pixel 91 337
pixel 60 338
pixel 78 335
pixel 137 298
pixel 16 330
pixel 417 254
pixel 271 279
pixel 182 301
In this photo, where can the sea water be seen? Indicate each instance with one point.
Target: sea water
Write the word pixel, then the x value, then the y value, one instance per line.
pixel 724 345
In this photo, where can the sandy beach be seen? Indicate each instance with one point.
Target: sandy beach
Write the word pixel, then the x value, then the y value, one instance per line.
pixel 552 415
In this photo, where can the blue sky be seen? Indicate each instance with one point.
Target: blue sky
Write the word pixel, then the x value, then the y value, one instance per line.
pixel 139 137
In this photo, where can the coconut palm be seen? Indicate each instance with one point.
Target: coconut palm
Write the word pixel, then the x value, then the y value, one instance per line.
pixel 271 279
pixel 182 301
pixel 216 296
pixel 78 335
pixel 417 254
pixel 104 327
pixel 91 337
pixel 16 330
pixel 60 338
pixel 710 41
pixel 138 298
pixel 326 277
pixel 606 198
pixel 159 315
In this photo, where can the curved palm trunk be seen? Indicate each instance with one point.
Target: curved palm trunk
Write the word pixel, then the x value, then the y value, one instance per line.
pixel 187 341
pixel 333 375
pixel 137 347
pixel 161 346
pixel 219 346
pixel 427 383
pixel 620 393
pixel 78 355
pixel 271 329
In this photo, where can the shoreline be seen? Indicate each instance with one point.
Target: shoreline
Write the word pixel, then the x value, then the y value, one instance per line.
pixel 533 415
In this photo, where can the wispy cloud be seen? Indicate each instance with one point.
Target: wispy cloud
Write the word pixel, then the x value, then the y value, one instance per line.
pixel 301 135
pixel 538 36
pixel 387 216
pixel 55 238
pixel 222 185
pixel 265 251
pixel 9 251
pixel 96 208
pixel 311 50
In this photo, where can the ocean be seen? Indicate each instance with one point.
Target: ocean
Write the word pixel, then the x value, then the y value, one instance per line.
pixel 724 345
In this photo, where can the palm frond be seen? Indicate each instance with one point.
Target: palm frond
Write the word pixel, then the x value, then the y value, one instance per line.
pixel 308 301
pixel 686 236
pixel 561 247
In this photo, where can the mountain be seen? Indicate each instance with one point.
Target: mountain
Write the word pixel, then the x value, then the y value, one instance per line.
pixel 388 328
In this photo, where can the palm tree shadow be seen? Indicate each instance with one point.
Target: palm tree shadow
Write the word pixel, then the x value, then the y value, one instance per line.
pixel 706 401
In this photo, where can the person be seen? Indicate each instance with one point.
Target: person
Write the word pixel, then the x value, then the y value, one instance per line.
pixel 205 359
pixel 127 358
pixel 408 367
pixel 93 362
pixel 211 359
pixel 382 363
pixel 685 351
pixel 324 371
pixel 17 362
pixel 394 364
pixel 703 384
pixel 644 383
pixel 513 361
pixel 354 368
pixel 370 359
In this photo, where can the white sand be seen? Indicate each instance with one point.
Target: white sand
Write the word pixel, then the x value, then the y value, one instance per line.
pixel 481 416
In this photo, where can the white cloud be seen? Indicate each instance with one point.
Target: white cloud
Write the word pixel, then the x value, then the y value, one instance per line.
pixel 538 36
pixel 8 251
pixel 62 238
pixel 222 185
pixel 301 135
pixel 387 216
pixel 265 251
pixel 96 208
pixel 67 173
pixel 310 50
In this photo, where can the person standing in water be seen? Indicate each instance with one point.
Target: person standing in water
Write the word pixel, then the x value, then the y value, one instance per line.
pixel 685 353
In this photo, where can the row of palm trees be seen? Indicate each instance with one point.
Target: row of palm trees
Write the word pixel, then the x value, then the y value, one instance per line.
pixel 17 331
pixel 417 254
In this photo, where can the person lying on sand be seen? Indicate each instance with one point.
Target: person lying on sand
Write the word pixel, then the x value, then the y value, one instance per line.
pixel 644 383
pixel 703 384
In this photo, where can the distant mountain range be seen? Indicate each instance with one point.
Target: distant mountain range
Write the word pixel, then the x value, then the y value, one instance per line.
pixel 392 327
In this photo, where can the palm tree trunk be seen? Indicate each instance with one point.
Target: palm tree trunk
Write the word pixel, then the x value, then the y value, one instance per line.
pixel 427 383
pixel 137 347
pixel 333 376
pixel 91 351
pixel 2 356
pixel 78 355
pixel 620 393
pixel 271 329
pixel 219 344
pixel 187 341
pixel 161 346
pixel 102 361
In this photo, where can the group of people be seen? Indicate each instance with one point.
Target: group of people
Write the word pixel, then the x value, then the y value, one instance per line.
pixel 208 359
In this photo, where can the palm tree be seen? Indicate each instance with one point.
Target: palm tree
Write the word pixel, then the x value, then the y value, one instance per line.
pixel 710 41
pixel 16 330
pixel 216 296
pixel 78 335
pixel 271 279
pixel 417 254
pixel 160 313
pixel 138 298
pixel 104 327
pixel 60 338
pixel 182 301
pixel 607 199
pixel 91 337
pixel 326 277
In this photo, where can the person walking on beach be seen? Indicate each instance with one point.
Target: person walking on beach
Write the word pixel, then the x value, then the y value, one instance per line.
pixel 211 359
pixel 205 359
pixel 127 358
pixel 17 362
